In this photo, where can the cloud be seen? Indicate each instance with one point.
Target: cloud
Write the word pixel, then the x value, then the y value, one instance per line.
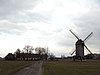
pixel 89 22
pixel 15 13
pixel 16 10
pixel 11 28
pixel 14 6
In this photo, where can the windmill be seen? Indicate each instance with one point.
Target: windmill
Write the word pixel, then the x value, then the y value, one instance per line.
pixel 79 46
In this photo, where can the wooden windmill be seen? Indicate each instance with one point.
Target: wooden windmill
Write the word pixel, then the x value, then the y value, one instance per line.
pixel 80 44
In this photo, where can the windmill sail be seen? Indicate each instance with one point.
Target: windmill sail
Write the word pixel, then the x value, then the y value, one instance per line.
pixel 88 36
pixel 74 34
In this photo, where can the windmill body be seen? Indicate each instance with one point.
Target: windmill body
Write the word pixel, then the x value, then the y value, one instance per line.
pixel 80 47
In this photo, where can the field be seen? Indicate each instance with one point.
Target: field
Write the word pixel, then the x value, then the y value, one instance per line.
pixel 10 67
pixel 71 68
pixel 60 67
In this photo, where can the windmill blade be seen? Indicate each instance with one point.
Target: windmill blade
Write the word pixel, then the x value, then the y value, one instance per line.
pixel 88 49
pixel 72 52
pixel 90 35
pixel 74 34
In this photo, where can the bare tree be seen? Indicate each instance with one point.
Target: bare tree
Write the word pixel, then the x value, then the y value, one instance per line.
pixel 51 56
pixel 28 48
pixel 18 51
pixel 40 50
pixel 62 56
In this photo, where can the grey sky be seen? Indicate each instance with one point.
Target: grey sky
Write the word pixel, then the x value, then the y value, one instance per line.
pixel 46 23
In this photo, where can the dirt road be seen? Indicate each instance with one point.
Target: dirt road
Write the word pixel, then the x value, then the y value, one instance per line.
pixel 35 69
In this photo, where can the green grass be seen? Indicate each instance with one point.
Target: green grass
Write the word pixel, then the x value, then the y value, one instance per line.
pixel 71 68
pixel 10 67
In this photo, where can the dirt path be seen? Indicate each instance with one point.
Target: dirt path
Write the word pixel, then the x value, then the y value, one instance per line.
pixel 35 69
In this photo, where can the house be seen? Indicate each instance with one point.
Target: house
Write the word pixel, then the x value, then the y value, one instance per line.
pixel 10 56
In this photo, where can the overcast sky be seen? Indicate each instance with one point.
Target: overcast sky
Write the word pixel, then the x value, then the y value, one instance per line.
pixel 46 23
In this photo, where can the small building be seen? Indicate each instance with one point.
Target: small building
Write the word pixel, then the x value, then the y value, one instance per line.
pixel 10 56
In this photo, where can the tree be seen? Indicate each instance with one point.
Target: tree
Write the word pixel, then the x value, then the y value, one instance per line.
pixel 28 49
pixel 62 56
pixel 18 51
pixel 51 56
pixel 40 50
pixel 43 52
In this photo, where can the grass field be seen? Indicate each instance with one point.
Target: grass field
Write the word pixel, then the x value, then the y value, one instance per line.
pixel 10 67
pixel 71 68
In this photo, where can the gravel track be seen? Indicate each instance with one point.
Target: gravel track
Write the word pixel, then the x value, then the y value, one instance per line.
pixel 34 69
